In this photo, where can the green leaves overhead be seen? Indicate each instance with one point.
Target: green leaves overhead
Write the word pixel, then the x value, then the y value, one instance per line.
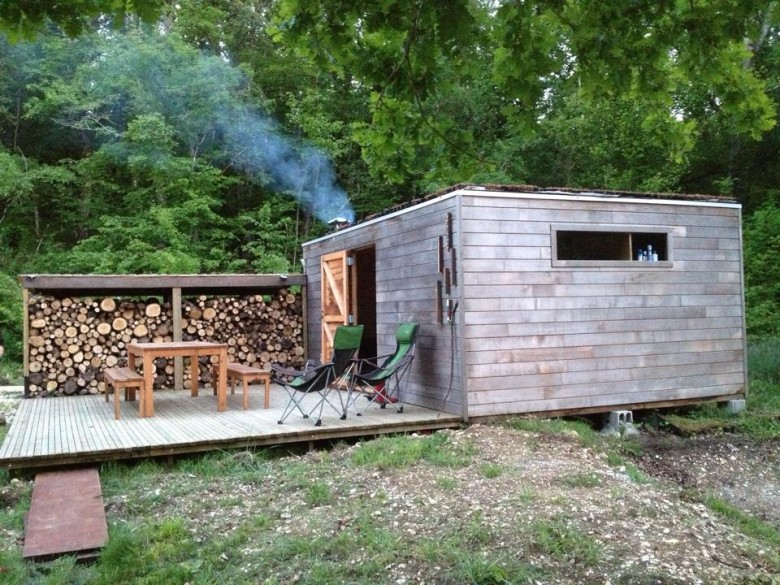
pixel 399 44
pixel 411 55
pixel 402 55
pixel 24 18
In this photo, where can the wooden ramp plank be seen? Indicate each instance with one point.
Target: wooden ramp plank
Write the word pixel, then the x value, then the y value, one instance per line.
pixel 66 515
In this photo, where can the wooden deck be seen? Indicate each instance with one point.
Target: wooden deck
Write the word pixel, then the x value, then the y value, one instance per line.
pixel 63 431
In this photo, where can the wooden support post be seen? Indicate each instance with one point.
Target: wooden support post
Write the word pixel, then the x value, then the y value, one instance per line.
pixel 305 317
pixel 26 340
pixel 178 361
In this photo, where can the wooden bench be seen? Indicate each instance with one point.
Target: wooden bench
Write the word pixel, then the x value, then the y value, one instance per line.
pixel 126 379
pixel 246 374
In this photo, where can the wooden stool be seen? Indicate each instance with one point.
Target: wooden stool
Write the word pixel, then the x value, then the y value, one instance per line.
pixel 125 379
pixel 246 374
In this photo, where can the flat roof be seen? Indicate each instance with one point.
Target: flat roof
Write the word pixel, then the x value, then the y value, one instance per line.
pixel 574 193
pixel 534 192
pixel 137 284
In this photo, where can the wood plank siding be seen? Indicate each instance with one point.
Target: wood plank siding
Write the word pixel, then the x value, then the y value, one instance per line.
pixel 536 333
pixel 542 338
pixel 406 273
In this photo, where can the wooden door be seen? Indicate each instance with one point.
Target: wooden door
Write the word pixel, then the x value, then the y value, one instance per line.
pixel 338 299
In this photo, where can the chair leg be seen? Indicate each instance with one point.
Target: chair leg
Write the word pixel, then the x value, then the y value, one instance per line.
pixel 266 399
pixel 389 394
pixel 246 391
pixel 320 405
pixel 293 404
pixel 117 414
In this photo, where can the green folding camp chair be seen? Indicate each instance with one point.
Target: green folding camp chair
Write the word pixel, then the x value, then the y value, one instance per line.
pixel 320 379
pixel 380 379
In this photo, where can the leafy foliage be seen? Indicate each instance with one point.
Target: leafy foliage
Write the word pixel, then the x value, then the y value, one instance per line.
pixel 415 56
pixel 27 18
pixel 762 271
pixel 10 324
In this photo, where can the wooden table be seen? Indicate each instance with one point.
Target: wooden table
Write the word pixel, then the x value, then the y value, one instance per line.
pixel 148 352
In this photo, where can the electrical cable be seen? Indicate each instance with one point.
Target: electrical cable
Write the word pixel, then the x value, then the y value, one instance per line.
pixel 452 358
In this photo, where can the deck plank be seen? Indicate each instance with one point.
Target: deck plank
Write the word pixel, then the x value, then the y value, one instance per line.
pixel 48 432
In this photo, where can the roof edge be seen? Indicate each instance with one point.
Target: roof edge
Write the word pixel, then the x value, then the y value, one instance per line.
pixel 573 191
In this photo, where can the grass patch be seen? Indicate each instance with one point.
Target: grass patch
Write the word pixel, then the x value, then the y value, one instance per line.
pixel 557 426
pixel 475 531
pixel 405 450
pixel 635 474
pixel 446 483
pixel 318 494
pixel 464 564
pixel 152 552
pixel 747 524
pixel 712 419
pixel 582 480
pixel 565 543
pixel 477 570
pixel 616 457
pixel 490 470
pixel 761 419
pixel 527 495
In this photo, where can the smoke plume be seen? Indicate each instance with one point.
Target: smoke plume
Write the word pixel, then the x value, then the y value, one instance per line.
pixel 258 149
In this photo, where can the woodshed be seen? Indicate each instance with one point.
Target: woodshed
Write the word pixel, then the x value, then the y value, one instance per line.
pixel 535 300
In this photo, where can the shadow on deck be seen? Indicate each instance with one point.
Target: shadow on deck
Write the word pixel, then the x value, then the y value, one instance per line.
pixel 66 431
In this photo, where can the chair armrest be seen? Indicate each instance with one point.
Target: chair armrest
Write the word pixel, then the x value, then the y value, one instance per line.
pixel 291 372
pixel 372 362
pixel 372 373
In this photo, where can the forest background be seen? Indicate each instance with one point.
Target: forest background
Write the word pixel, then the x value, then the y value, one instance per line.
pixel 202 136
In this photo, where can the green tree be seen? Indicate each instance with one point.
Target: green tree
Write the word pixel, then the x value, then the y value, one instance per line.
pixel 24 19
pixel 414 56
pixel 608 144
pixel 167 222
pixel 10 317
pixel 163 148
pixel 761 237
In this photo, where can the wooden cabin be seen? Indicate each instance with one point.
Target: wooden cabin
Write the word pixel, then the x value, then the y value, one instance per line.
pixel 536 300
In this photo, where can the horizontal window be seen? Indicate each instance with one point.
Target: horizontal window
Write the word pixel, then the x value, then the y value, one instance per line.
pixel 585 246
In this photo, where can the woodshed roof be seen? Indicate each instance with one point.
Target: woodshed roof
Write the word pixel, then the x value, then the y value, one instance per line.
pixel 160 284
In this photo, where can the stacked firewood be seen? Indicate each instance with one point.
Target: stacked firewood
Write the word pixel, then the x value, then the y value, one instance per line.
pixel 259 331
pixel 71 340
